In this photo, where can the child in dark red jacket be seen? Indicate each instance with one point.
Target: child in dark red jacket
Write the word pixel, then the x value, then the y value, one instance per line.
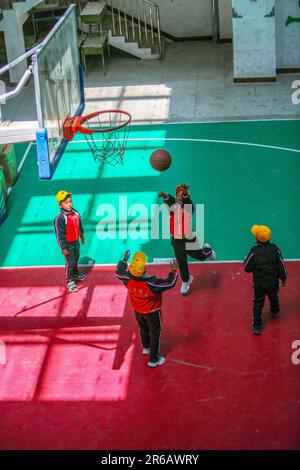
pixel 146 299
pixel 181 211
pixel 68 230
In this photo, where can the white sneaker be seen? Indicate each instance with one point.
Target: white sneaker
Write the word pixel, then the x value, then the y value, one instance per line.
pixel 160 362
pixel 146 351
pixel 207 247
pixel 72 286
pixel 185 286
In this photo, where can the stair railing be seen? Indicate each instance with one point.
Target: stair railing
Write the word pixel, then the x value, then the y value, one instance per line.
pixel 143 14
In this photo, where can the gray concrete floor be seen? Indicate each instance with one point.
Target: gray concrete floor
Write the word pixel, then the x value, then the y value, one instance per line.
pixel 192 83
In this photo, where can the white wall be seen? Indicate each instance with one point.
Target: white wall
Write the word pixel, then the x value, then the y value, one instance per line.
pixel 225 19
pixel 287 36
pixel 186 18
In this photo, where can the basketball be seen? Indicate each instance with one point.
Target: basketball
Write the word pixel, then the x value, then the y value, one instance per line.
pixel 160 160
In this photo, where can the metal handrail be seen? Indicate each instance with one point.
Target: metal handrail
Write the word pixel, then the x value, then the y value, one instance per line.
pixel 25 77
pixel 119 18
pixel 139 21
pixel 127 14
pixel 16 61
pixel 151 3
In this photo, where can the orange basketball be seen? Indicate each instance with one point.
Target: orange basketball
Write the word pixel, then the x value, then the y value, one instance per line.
pixel 160 160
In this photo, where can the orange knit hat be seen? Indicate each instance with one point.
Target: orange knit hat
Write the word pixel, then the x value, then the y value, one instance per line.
pixel 261 232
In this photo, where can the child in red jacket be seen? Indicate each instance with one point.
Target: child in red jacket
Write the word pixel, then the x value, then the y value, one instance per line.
pixel 146 299
pixel 181 211
pixel 68 230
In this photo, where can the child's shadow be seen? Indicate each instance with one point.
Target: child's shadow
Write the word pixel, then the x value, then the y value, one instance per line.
pixel 208 280
pixel 86 264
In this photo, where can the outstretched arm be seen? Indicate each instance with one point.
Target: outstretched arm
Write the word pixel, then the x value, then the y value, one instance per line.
pixel 159 285
pixel 167 198
pixel 121 269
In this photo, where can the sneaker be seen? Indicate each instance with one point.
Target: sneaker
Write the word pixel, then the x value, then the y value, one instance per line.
pixel 206 248
pixel 256 330
pixel 185 286
pixel 275 314
pixel 72 286
pixel 80 277
pixel 146 351
pixel 160 362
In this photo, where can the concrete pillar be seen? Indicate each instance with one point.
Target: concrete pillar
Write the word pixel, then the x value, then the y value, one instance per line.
pixel 254 40
pixel 14 42
pixel 225 19
pixel 288 34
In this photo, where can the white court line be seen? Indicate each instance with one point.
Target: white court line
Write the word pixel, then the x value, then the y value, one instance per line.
pixel 210 263
pixel 229 120
pixel 169 123
pixel 22 162
pixel 179 139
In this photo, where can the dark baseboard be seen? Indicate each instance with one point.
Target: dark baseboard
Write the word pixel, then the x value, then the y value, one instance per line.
pixel 288 70
pixel 225 41
pixel 185 39
pixel 254 79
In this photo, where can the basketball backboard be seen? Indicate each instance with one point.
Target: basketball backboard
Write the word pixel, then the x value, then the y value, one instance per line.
pixel 59 90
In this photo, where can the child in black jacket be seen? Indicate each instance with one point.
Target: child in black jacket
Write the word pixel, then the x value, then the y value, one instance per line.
pixel 265 262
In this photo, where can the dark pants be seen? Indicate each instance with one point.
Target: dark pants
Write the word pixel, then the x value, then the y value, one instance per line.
pixel 72 261
pixel 259 299
pixel 181 253
pixel 150 330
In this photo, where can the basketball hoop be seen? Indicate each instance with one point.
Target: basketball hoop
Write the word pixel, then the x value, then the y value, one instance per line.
pixel 112 127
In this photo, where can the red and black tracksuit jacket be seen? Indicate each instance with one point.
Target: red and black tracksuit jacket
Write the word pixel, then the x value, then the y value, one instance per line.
pixel 181 215
pixel 68 227
pixel 68 230
pixel 145 291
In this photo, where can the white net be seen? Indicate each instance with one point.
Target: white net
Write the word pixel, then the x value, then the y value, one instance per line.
pixel 109 138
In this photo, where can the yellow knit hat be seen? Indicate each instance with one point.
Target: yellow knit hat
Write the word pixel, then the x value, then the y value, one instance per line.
pixel 261 232
pixel 138 264
pixel 62 195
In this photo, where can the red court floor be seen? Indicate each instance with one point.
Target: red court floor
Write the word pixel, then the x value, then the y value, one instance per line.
pixel 75 377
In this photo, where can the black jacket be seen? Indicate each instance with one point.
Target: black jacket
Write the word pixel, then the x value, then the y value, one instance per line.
pixel 265 262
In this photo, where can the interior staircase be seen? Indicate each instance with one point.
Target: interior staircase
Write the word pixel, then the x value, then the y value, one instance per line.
pixel 134 27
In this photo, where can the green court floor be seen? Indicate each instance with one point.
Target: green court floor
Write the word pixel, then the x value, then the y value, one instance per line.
pixel 243 172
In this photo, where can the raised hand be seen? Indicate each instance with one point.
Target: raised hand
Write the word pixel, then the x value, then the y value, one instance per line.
pixel 162 194
pixel 126 256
